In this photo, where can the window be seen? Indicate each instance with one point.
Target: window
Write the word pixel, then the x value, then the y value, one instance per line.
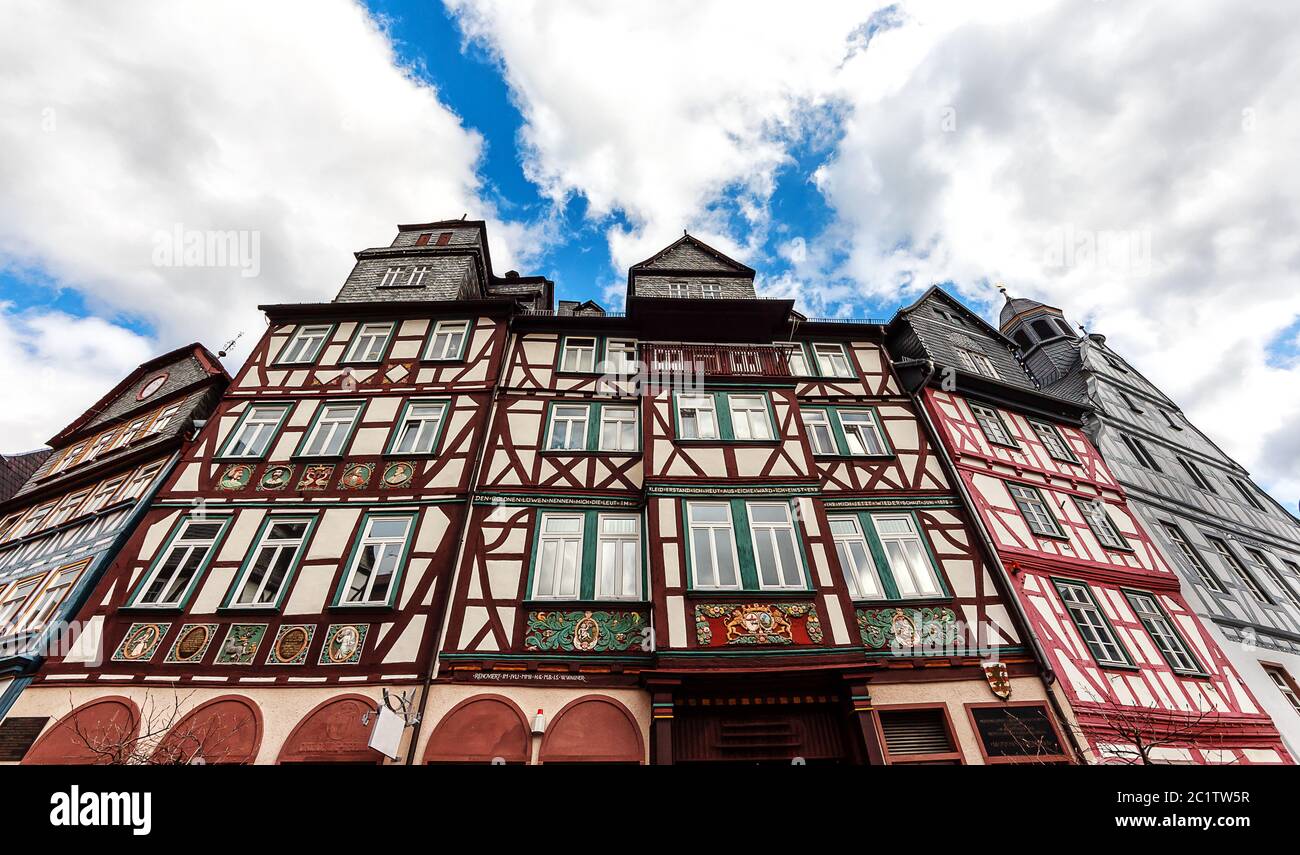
pixel 99 498
pixel 1260 560
pixel 977 363
pixel 34 519
pixel 418 429
pixel 1280 678
pixel 132 432
pixel 1169 420
pixel 1064 328
pixel 1248 493
pixel 66 508
pixel 376 562
pixel 70 458
pixel 833 360
pixel 855 558
pixel 306 344
pixel 568 428
pixel 264 577
pixel 369 343
pixel 1132 405
pixel 391 277
pixel 1140 453
pixel 11 604
pixel 7 526
pixel 678 289
pixel 253 435
pixel 618 556
pixel 151 387
pixel 416 279
pixel 797 360
pixel 710 290
pixel 48 601
pixel 1035 510
pixel 164 419
pixel 749 419
pixel 102 444
pixel 620 357
pixel 918 736
pixel 173 575
pixel 775 550
pixel 1235 565
pixel 578 354
pixel 1094 512
pixel 1022 338
pixel 1192 557
pixel 140 482
pixel 862 432
pixel 1092 624
pixel 1054 442
pixel 818 428
pixel 559 557
pixel 1115 363
pixel 329 435
pixel 696 417
pixel 712 546
pixel 447 342
pixel 1195 474
pixel 905 553
pixel 1162 632
pixel 618 429
pixel 990 422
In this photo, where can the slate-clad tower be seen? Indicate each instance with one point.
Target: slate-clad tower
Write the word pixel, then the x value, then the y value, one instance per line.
pixel 1237 550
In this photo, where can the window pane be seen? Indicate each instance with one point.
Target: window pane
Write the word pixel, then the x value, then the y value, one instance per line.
pixel 709 513
pixel 726 558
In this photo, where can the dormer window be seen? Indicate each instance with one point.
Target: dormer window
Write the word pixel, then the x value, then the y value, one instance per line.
pixel 710 290
pixel 416 279
pixel 1064 328
pixel 391 277
pixel 977 363
pixel 1043 328
pixel 1022 338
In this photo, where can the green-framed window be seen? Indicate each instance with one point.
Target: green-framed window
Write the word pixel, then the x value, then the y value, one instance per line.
pixel 374 570
pixel 448 340
pixel 268 569
pixel 885 555
pixel 369 342
pixel 601 426
pixel 1093 626
pixel 1035 510
pixel 173 575
pixel 992 426
pixel 587 555
pixel 1168 641
pixel 744 545
pixel 305 345
pixel 846 431
pixel 724 417
pixel 1099 522
pixel 419 427
pixel 331 429
pixel 257 426
pixel 595 354
pixel 1053 441
pixel 820 359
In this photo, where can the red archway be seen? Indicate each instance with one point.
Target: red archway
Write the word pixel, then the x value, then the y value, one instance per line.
pixel 593 729
pixel 479 730
pixel 225 730
pixel 333 733
pixel 101 732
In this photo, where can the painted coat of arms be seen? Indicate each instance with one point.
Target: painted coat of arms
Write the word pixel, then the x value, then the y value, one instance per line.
pixel 719 624
pixel 999 678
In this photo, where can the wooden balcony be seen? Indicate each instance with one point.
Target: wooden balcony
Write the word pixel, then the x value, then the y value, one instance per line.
pixel 718 360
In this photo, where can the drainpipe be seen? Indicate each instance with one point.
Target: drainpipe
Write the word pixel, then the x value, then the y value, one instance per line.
pixel 991 552
pixel 450 591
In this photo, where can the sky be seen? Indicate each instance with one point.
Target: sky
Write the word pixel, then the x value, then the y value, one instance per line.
pixel 1129 161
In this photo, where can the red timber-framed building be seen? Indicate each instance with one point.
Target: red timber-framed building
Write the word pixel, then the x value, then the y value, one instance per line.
pixel 1143 679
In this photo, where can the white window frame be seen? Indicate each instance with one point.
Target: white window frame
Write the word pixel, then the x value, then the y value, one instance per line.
pixel 978 363
pixel 67 508
pixel 622 574
pixel 841 365
pixel 447 331
pixel 862 578
pixel 858 433
pixel 748 405
pixel 368 538
pixel 426 428
pixel 1099 522
pixel 370 338
pixel 1033 498
pixel 14 601
pixel 626 361
pixel 800 355
pixel 131 432
pixel 202 547
pixel 710 291
pixel 69 459
pixel 774 529
pixel 331 428
pixel 302 348
pixel 557 545
pixel 34 520
pixel 1261 558
pixel 164 418
pixel 709 405
pixel 713 529
pixel 679 289
pixel 140 481
pixel 569 421
pixel 101 495
pixel 574 355
pixel 55 589
pixel 813 422
pixel 915 576
pixel 990 423
pixel 264 420
pixel 102 444
pixel 277 547
pixel 1281 679
pixel 1085 613
pixel 618 417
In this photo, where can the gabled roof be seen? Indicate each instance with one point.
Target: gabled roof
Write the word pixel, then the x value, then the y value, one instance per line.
pixel 690 255
pixel 936 292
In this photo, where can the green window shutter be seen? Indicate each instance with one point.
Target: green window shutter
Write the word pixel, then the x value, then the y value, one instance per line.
pixel 837 429
pixel 878 555
pixel 587 585
pixel 744 545
pixel 593 427
pixel 722 410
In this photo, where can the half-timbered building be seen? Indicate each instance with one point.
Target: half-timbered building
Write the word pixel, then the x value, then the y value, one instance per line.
pixel 1142 677
pixel 61 529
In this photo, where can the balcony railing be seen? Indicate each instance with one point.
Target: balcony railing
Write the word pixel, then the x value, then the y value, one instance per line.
pixel 719 360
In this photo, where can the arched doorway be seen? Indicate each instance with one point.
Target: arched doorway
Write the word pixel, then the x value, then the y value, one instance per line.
pixel 225 730
pixel 102 732
pixel 480 730
pixel 593 729
pixel 333 733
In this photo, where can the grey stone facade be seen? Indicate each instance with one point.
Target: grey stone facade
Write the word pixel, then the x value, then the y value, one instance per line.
pixel 691 269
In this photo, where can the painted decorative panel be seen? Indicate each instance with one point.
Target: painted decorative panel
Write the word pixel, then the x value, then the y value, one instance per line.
pixel 725 624
pixel 909 631
pixel 585 631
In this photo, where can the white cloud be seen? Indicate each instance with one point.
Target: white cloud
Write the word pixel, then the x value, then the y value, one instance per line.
pixel 291 119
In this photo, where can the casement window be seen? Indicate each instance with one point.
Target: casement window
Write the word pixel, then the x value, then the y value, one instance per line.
pixel 678 289
pixel 749 418
pixel 558 573
pixel 100 497
pixel 1033 507
pixel 447 341
pixel 618 557
pixel 855 558
pixel 991 424
pixel 375 568
pixel 587 555
pixel 697 417
pixel 369 343
pixel 620 357
pixel 66 508
pixel 7 526
pixel 710 290
pixel 833 360
pixel 186 556
pixel 1092 625
pixel 331 430
pixel 905 553
pixel 568 427
pixel 306 344
pixel 977 363
pixel 713 546
pixel 102 445
pixel 418 428
pixel 818 427
pixel 797 360
pixel 417 277
pixel 1099 521
pixel 140 481
pixel 1198 478
pixel 1170 644
pixel 578 354
pixel 1132 404
pixel 164 419
pixel 391 277
pixel 775 547
pixel 13 600
pixel 71 458
pixel 862 432
pixel 1276 673
pixel 133 431
pixel 1192 557
pixel 1239 569
pixel 35 519
pixel 256 428
pixel 885 556
pixel 1053 441
pixel 1140 453
pixel 1262 562
pixel 51 597
pixel 1248 493
pixel 618 430
pixel 265 575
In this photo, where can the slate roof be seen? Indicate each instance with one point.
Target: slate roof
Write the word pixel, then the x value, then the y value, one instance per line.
pixel 15 469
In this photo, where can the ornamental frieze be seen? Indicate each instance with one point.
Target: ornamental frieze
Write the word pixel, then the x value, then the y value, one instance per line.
pixel 909 630
pixel 728 624
pixel 584 631
pixel 236 477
